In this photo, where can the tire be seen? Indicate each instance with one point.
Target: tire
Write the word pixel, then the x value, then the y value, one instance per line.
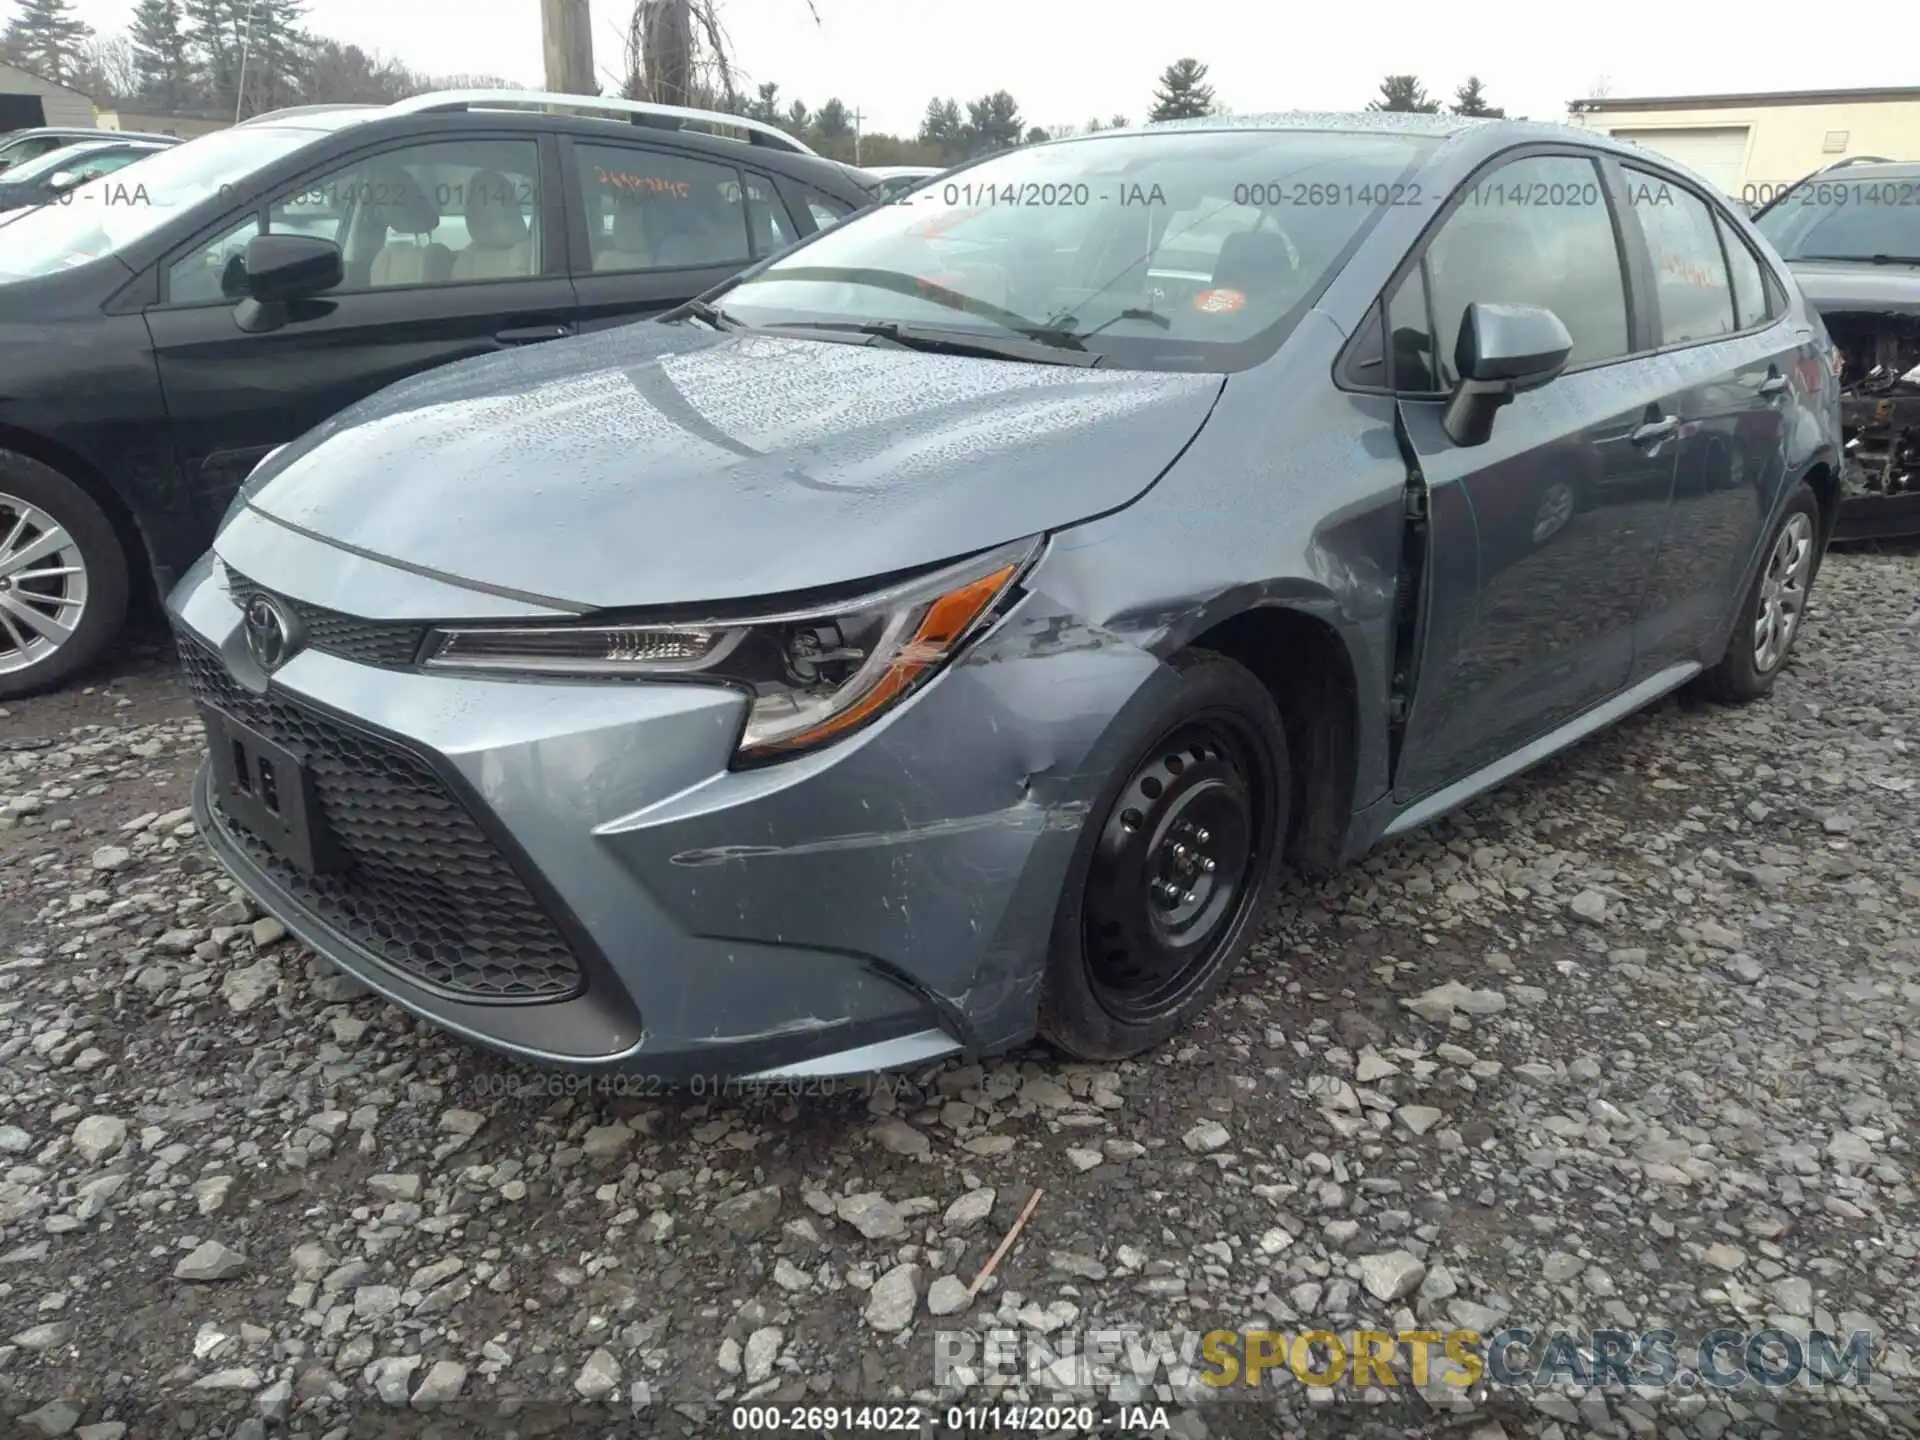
pixel 1755 656
pixel 1133 959
pixel 36 502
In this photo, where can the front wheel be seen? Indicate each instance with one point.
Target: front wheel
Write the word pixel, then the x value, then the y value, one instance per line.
pixel 63 578
pixel 1770 619
pixel 1176 867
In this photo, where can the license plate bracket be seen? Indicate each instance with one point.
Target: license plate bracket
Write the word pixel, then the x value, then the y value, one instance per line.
pixel 267 788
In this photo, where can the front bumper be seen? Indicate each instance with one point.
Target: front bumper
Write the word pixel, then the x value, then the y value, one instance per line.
pixel 883 902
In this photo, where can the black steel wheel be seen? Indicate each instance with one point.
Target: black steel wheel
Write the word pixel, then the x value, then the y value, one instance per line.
pixel 1176 867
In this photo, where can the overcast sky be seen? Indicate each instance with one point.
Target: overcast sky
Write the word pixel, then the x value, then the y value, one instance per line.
pixel 1066 60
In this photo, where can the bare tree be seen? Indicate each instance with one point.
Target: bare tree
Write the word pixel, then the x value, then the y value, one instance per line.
pixel 677 53
pixel 108 69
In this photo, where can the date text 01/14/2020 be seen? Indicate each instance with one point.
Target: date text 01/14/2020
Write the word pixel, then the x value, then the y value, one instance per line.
pixel 955 1421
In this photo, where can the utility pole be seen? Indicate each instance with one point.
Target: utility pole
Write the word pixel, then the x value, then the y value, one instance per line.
pixel 567 38
pixel 857 118
pixel 246 52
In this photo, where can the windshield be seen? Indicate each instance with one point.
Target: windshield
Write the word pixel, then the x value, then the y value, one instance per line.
pixel 1192 250
pixel 108 214
pixel 1845 220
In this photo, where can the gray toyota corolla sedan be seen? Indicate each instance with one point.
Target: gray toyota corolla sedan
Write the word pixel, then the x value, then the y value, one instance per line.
pixel 951 629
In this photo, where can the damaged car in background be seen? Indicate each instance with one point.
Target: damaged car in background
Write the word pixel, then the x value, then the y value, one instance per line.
pixel 1851 235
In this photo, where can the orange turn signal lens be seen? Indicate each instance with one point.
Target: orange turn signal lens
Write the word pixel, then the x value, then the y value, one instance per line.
pixel 943 624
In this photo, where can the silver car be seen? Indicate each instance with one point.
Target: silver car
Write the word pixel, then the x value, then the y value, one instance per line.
pixel 953 627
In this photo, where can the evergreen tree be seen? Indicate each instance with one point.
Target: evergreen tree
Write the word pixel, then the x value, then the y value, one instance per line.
pixel 941 127
pixel 1183 93
pixel 1471 99
pixel 45 37
pixel 993 123
pixel 160 56
pixel 213 49
pixel 1404 94
pixel 832 121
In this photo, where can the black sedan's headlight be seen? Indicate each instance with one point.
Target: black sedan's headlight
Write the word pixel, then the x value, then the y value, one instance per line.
pixel 815 674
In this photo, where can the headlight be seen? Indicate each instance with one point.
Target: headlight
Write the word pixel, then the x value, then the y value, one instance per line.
pixel 814 674
pixel 248 488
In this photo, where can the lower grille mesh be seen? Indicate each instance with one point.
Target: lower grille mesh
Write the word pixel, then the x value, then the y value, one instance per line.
pixel 424 889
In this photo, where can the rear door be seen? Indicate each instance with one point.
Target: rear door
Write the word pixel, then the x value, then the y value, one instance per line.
pixel 451 250
pixel 1541 538
pixel 1730 358
pixel 652 227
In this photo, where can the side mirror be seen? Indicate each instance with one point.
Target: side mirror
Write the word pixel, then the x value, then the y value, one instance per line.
pixel 291 267
pixel 1502 351
pixel 62 180
pixel 279 271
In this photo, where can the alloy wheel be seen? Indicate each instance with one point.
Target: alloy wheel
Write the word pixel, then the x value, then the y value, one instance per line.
pixel 1556 509
pixel 43 585
pixel 1783 593
pixel 1175 868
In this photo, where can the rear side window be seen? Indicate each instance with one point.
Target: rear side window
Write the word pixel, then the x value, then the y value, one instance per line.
pixel 649 210
pixel 1750 295
pixel 826 210
pixel 767 217
pixel 1689 269
pixel 1537 231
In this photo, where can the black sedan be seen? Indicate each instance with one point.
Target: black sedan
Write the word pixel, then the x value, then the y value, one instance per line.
pixel 158 339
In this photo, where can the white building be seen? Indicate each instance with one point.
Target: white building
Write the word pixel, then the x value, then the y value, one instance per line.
pixel 1753 145
pixel 27 100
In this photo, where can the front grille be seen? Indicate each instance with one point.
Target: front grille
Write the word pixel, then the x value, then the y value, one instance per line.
pixel 389 643
pixel 423 889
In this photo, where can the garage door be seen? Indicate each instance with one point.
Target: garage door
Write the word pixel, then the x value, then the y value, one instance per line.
pixel 1718 154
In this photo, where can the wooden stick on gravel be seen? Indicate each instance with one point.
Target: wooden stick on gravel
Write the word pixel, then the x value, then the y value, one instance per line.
pixel 1005 1245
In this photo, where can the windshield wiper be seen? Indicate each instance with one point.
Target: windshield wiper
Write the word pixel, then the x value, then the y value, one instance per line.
pixel 1061 327
pixel 707 314
pixel 1036 348
pixel 1878 259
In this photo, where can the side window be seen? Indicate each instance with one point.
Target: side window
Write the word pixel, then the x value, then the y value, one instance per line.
pixel 1689 271
pixel 767 217
pixel 1537 231
pixel 826 210
pixel 446 213
pixel 1750 306
pixel 196 278
pixel 649 210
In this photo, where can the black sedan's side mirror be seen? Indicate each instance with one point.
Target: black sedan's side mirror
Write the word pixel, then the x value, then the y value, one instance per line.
pixel 279 269
pixel 1502 351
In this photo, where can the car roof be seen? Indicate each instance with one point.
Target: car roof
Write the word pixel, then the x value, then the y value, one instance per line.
pixel 79 132
pixel 1869 170
pixel 321 121
pixel 1393 122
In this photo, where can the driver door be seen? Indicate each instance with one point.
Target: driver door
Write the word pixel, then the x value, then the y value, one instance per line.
pixel 451 250
pixel 1541 539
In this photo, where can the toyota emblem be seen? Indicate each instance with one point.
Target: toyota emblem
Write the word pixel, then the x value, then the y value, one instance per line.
pixel 269 633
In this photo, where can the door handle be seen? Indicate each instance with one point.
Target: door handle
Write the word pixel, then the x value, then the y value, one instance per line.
pixel 1774 384
pixel 1654 431
pixel 533 334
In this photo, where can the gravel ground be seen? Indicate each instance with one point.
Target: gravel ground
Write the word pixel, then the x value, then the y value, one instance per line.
pixel 1628 1043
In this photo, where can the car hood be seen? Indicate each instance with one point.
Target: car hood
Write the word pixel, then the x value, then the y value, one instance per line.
pixel 664 464
pixel 1838 286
